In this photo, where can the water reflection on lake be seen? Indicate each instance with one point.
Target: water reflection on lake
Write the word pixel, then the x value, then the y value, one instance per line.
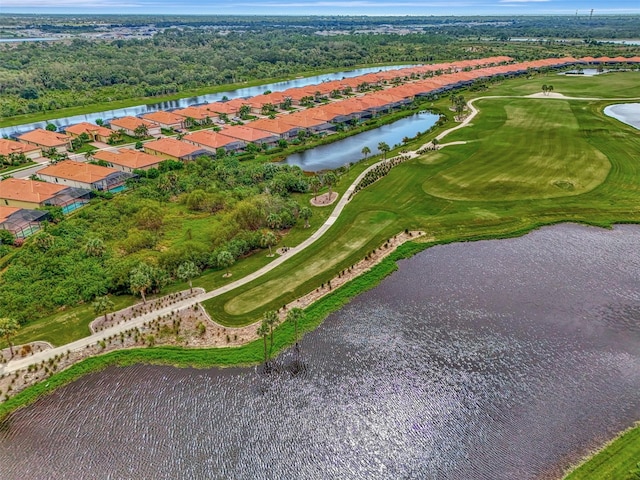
pixel 489 360
pixel 349 149
pixel 628 113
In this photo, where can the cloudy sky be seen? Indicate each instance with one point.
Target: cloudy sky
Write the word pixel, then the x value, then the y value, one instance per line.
pixel 323 7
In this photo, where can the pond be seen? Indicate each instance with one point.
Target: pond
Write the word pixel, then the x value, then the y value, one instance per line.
pixel 487 360
pixel 585 72
pixel 628 113
pixel 347 150
pixel 185 102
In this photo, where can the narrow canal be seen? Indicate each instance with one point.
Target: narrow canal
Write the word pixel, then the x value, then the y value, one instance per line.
pixel 488 360
pixel 185 102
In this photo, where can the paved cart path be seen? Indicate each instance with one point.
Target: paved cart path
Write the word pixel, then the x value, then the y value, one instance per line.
pixel 21 363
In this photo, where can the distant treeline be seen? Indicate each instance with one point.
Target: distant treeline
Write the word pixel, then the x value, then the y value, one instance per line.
pixel 46 76
pixel 582 25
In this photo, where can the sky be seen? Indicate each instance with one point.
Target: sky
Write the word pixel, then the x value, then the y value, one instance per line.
pixel 324 7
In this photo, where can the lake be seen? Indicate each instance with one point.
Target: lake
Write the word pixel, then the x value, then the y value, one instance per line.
pixel 628 113
pixel 185 102
pixel 505 359
pixel 347 150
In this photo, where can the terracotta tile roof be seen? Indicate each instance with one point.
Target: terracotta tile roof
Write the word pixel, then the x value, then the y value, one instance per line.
pixel 45 138
pixel 275 125
pixel 127 157
pixel 77 171
pixel 89 128
pixel 195 112
pixel 165 118
pixel 6 212
pixel 230 108
pixel 302 119
pixel 209 138
pixel 8 147
pixel 323 113
pixel 28 190
pixel 172 147
pixel 246 133
pixel 297 93
pixel 129 123
pixel 619 59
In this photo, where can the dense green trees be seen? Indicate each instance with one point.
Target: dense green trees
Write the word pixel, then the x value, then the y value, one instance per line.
pixel 43 77
pixel 174 214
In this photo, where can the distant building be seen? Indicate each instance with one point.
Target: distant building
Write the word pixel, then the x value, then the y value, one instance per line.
pixel 46 140
pixel 166 120
pixel 21 222
pixel 130 124
pixel 84 175
pixel 127 160
pixel 95 132
pixel 172 149
pixel 15 192
pixel 212 141
pixel 9 147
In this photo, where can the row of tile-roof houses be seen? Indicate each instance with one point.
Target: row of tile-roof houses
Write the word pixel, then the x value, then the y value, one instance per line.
pixel 68 184
pixel 415 81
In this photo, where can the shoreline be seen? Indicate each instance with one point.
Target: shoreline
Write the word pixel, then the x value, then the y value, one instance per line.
pixel 252 353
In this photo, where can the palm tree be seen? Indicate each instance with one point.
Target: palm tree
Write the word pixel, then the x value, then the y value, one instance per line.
pixel 295 315
pixel 365 151
pixel 141 130
pixel 95 247
pixel 187 271
pixel 330 180
pixel 244 111
pixel 102 305
pixel 8 328
pixel 263 331
pixel 268 239
pixel 271 318
pixel 384 149
pixel 315 184
pixel 545 88
pixel 225 260
pixel 273 220
pixel 306 213
pixel 140 280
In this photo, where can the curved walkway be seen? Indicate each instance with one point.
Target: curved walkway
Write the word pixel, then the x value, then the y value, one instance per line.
pixel 18 364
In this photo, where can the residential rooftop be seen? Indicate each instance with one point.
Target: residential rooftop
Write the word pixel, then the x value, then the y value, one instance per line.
pixel 127 157
pixel 172 147
pixel 7 147
pixel 45 138
pixel 89 129
pixel 28 190
pixel 78 171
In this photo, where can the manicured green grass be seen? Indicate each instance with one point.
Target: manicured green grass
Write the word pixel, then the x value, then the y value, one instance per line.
pixel 522 149
pixel 591 176
pixel 609 85
pixel 65 327
pixel 620 460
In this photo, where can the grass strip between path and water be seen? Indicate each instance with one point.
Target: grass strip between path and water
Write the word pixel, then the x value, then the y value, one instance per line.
pixel 249 354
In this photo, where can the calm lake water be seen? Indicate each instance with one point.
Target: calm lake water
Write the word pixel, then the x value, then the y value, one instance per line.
pixel 185 102
pixel 348 150
pixel 586 72
pixel 628 113
pixel 488 360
